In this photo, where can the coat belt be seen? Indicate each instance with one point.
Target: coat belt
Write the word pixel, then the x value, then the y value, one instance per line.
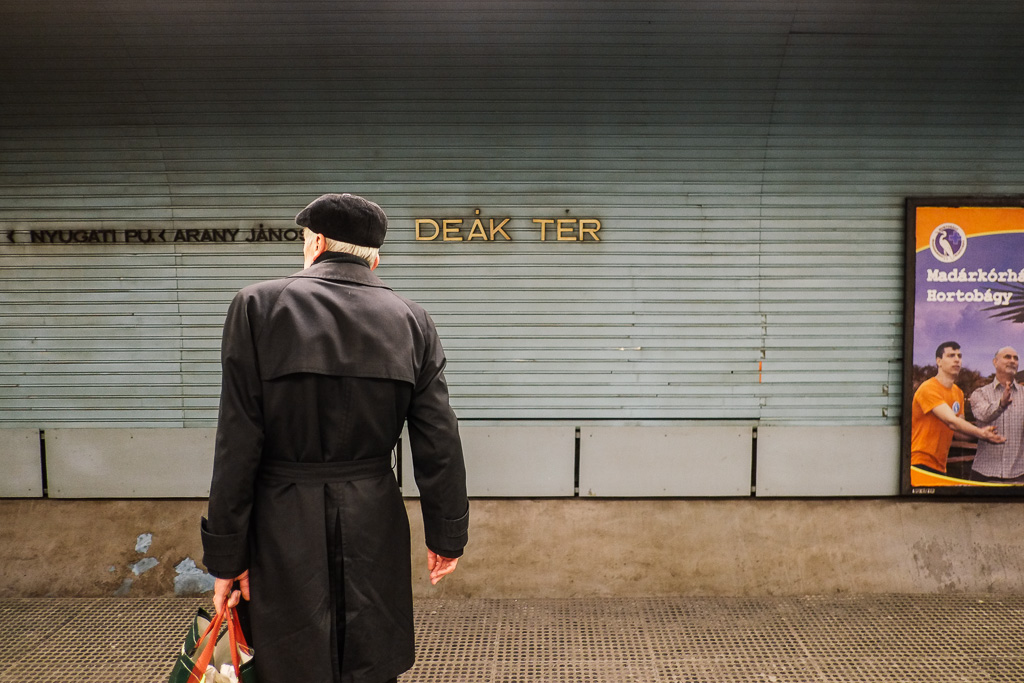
pixel 282 472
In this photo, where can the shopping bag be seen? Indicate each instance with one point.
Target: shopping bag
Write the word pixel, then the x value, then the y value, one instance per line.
pixel 196 629
pixel 231 648
pixel 205 647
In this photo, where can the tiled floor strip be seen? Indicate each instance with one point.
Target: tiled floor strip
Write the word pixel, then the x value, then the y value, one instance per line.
pixel 863 638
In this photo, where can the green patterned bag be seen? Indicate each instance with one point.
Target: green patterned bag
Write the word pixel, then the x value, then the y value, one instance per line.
pixel 199 625
pixel 205 645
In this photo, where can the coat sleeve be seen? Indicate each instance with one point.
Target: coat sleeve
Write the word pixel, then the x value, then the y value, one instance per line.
pixel 438 463
pixel 238 446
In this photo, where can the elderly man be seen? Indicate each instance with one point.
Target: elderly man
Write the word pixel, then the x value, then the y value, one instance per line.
pixel 1000 405
pixel 937 412
pixel 320 371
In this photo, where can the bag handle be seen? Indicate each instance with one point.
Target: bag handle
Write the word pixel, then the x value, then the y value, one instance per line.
pixel 236 640
pixel 234 622
pixel 210 637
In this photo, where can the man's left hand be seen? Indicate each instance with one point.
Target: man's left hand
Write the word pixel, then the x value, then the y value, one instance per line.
pixel 439 566
pixel 1007 398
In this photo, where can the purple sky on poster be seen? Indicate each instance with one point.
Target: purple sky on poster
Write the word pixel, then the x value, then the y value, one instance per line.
pixel 944 310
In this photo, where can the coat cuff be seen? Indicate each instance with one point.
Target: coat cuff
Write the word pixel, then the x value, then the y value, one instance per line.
pixel 447 537
pixel 224 555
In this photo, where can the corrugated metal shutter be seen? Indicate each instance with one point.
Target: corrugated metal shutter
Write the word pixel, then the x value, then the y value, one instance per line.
pixel 748 162
pixel 872 106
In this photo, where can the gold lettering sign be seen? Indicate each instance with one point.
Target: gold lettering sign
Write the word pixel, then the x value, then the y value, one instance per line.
pixel 494 229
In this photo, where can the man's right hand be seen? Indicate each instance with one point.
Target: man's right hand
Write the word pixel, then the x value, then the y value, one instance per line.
pixel 222 589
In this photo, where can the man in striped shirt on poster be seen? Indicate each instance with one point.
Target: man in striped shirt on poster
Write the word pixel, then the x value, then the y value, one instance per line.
pixel 1001 405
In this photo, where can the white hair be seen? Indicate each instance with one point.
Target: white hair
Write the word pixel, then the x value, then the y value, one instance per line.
pixel 368 254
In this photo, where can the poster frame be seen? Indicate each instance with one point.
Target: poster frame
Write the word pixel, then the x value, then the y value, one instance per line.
pixel 912 205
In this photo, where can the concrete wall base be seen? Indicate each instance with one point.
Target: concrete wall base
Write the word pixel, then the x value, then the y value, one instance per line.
pixel 543 548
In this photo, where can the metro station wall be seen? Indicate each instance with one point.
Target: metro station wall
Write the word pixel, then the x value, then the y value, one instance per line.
pixel 747 170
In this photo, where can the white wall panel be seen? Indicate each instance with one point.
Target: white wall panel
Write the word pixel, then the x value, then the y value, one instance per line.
pixel 129 463
pixel 20 463
pixel 524 460
pixel 827 461
pixel 646 461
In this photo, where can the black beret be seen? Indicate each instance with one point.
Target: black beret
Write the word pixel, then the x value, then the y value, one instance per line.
pixel 346 218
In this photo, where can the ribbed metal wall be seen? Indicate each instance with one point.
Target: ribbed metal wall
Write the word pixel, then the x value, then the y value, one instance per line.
pixel 748 161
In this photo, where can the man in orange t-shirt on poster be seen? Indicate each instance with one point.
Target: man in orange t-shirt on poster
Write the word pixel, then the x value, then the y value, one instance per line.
pixel 937 413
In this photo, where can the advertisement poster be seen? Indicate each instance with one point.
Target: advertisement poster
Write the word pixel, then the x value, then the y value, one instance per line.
pixel 963 405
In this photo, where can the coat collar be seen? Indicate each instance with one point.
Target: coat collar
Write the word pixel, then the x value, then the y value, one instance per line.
pixel 333 265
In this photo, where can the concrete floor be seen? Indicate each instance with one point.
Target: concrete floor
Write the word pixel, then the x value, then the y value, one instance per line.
pixel 886 638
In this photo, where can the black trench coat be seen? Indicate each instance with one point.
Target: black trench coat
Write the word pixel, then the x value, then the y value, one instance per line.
pixel 320 371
